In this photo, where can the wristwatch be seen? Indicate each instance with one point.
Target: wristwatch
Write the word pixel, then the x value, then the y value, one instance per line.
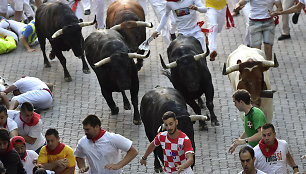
pixel 295 167
pixel 143 158
pixel 246 140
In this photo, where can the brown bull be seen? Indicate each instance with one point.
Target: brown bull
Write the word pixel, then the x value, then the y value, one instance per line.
pixel 125 12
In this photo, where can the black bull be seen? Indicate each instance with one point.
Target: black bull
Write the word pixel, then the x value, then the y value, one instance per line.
pixel 153 105
pixel 57 22
pixel 107 54
pixel 190 74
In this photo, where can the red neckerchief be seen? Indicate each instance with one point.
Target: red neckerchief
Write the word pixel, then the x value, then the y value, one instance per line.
pixel 271 149
pixel 24 156
pixel 276 21
pixel 101 133
pixel 34 120
pixel 75 5
pixel 10 148
pixel 57 150
pixel 229 19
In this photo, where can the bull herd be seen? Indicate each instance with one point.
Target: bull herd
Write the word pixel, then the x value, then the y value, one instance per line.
pixel 110 53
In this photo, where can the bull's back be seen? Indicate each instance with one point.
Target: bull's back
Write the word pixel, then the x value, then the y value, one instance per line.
pixel 155 103
pixel 53 16
pixel 122 6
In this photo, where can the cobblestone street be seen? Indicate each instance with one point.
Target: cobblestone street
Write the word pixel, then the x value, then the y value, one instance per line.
pixel 74 100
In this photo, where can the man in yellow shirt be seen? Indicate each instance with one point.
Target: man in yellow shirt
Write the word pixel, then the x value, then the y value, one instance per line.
pixel 56 156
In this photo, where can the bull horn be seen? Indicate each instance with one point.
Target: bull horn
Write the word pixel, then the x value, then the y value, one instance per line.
pixel 138 56
pixel 230 69
pixel 270 63
pixel 167 66
pixel 116 27
pixel 198 117
pixel 102 62
pixel 84 24
pixel 161 128
pixel 203 55
pixel 144 24
pixel 57 33
pixel 267 93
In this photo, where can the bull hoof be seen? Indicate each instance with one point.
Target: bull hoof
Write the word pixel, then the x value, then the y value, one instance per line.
pixel 127 107
pixel 68 79
pixel 51 56
pixel 158 170
pixel 137 122
pixel 115 111
pixel 86 71
pixel 203 126
pixel 47 65
pixel 215 122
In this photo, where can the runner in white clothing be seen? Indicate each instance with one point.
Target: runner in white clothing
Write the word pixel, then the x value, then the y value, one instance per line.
pixel 28 157
pixel 247 158
pixel 102 149
pixel 273 154
pixel 29 126
pixel 33 90
pixel 186 18
pixel 7 123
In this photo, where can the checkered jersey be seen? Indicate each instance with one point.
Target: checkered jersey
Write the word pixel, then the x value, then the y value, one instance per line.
pixel 174 149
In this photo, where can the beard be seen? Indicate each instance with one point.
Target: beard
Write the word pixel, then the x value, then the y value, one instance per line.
pixel 172 131
pixel 89 136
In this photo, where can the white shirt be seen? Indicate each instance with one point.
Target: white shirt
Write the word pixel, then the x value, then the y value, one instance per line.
pixel 257 172
pixel 32 131
pixel 10 125
pixel 28 161
pixel 185 23
pixel 259 8
pixel 303 2
pixel 276 164
pixel 29 84
pixel 105 150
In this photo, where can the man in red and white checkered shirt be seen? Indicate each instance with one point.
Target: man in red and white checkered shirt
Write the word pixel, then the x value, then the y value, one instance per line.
pixel 177 148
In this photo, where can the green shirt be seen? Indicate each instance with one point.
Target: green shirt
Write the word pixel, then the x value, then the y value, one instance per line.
pixel 252 121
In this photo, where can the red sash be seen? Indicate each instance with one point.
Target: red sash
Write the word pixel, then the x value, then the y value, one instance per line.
pixel 172 0
pixel 57 150
pixel 101 133
pixel 271 149
pixel 24 156
pixel 75 5
pixel 34 120
pixel 229 19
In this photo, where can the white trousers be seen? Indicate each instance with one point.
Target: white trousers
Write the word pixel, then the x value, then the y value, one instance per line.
pixel 17 27
pixel 99 11
pixel 39 98
pixel 86 4
pixel 246 12
pixel 285 18
pixel 216 20
pixel 78 11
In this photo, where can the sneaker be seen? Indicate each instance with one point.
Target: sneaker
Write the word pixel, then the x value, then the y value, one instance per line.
pixel 87 12
pixel 295 18
pixel 213 56
pixel 283 37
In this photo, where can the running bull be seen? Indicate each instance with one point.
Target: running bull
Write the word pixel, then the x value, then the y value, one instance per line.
pixel 190 74
pixel 247 68
pixel 120 16
pixel 108 55
pixel 57 22
pixel 153 105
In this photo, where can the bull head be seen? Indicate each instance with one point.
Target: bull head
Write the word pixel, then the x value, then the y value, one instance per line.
pixel 174 64
pixel 131 55
pixel 132 24
pixel 82 24
pixel 266 64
